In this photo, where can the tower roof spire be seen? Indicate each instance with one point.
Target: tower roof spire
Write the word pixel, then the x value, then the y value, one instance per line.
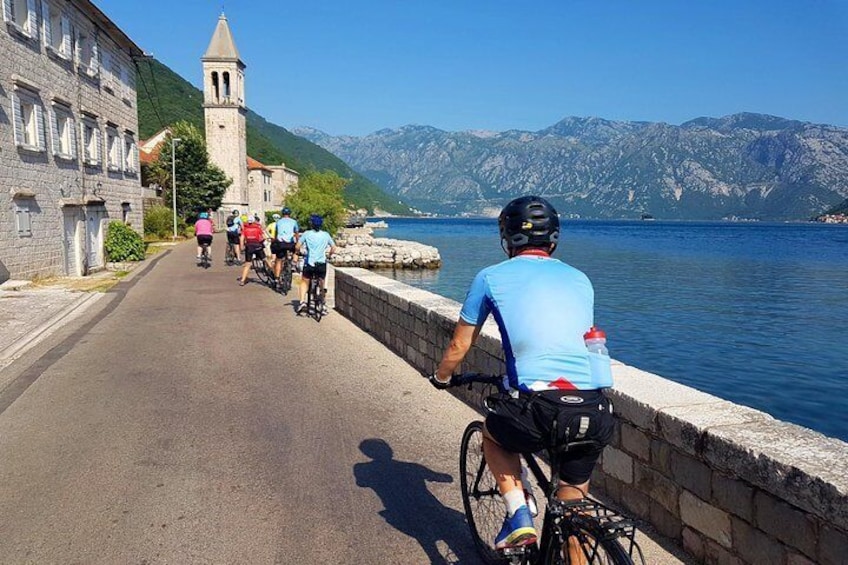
pixel 222 46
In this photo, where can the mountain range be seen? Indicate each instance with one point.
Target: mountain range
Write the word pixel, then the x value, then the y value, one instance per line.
pixel 747 166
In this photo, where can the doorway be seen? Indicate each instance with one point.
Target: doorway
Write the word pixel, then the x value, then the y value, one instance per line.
pixel 73 227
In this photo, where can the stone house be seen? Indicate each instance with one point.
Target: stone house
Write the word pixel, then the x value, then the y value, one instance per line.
pixel 68 136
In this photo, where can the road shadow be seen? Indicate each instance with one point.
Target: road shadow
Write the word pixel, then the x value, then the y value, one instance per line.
pixel 409 507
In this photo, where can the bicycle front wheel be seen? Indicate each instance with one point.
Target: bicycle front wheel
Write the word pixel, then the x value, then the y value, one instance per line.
pixel 480 497
pixel 261 271
pixel 589 543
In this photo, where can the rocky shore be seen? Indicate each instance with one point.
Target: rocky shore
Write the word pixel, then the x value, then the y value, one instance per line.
pixel 356 247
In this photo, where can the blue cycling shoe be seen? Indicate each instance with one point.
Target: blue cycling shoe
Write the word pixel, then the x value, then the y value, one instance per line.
pixel 517 531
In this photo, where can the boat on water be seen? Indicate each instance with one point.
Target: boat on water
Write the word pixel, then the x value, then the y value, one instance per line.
pixel 647 217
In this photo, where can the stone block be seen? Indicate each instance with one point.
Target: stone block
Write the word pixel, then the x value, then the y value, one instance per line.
pixel 661 456
pixel 714 553
pixel 618 464
pixel 731 494
pixel 693 543
pixel 658 487
pixel 638 396
pixel 691 474
pixel 753 545
pixel 793 558
pixel 637 503
pixel 790 525
pixel 832 546
pixel 705 518
pixel 684 426
pixel 665 522
pixel 635 442
pixel 798 465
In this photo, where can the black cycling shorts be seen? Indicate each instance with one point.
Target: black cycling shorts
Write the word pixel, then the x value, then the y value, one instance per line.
pixel 317 271
pixel 252 250
pixel 233 237
pixel 201 239
pixel 524 425
pixel 279 248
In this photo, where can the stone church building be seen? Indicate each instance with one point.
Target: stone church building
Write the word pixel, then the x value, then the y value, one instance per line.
pixel 255 186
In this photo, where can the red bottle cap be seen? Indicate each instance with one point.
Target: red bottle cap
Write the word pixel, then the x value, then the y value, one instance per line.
pixel 595 333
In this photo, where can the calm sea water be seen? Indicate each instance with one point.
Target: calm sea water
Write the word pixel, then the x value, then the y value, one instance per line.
pixel 754 313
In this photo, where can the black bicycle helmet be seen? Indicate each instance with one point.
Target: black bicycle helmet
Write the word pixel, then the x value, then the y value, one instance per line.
pixel 528 221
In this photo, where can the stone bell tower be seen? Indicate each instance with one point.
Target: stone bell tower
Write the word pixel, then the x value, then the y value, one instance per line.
pixel 225 112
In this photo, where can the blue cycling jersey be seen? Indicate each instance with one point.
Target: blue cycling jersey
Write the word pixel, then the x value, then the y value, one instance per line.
pixel 542 307
pixel 316 244
pixel 236 227
pixel 286 228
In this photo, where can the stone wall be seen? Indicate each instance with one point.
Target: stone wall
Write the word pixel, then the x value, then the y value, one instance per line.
pixel 65 202
pixel 730 483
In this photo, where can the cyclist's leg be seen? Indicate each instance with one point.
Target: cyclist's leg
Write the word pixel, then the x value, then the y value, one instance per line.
pixel 245 268
pixel 304 287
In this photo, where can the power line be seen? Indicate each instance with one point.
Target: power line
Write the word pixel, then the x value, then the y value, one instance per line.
pixel 144 84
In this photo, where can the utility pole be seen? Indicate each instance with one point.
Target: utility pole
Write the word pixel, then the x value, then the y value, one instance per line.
pixel 174 141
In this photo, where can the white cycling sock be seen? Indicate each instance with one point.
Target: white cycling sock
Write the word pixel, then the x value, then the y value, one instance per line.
pixel 513 500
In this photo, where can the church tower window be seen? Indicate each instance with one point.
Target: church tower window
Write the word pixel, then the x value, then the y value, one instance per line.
pixel 226 86
pixel 216 93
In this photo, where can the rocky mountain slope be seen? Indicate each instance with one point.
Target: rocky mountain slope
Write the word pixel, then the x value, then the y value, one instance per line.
pixel 745 165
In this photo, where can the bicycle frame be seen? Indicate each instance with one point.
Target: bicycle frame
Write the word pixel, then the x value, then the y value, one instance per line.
pixel 562 518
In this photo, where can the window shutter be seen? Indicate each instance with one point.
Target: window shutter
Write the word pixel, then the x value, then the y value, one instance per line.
pixel 94 64
pixel 66 36
pixel 86 152
pixel 98 146
pixel 77 47
pixel 8 15
pixel 73 135
pixel 33 19
pixel 18 119
pixel 106 73
pixel 53 120
pixel 134 155
pixel 39 126
pixel 120 160
pixel 45 20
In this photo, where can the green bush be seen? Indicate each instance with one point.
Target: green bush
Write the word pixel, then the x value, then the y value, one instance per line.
pixel 123 243
pixel 158 222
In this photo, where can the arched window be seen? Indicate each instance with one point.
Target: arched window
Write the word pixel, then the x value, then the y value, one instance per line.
pixel 216 93
pixel 226 86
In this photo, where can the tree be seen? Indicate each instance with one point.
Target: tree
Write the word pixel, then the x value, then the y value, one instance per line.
pixel 200 184
pixel 322 194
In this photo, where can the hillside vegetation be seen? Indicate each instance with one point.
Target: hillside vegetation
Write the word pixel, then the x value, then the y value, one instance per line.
pixel 164 98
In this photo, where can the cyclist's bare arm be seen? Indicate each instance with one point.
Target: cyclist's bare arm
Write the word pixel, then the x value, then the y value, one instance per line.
pixel 464 336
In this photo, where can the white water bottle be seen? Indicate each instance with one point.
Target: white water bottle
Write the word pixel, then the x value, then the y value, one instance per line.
pixel 599 359
pixel 529 497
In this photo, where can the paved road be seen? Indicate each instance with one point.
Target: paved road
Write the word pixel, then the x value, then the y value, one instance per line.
pixel 194 421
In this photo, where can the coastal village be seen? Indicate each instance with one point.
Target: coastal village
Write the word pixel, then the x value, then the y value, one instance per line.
pixel 175 417
pixel 73 159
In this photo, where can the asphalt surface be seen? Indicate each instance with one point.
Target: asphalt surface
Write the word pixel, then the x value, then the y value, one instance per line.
pixel 185 419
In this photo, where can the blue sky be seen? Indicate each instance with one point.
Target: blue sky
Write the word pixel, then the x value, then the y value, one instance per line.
pixel 354 67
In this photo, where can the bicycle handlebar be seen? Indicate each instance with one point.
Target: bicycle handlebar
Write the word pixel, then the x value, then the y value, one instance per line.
pixel 470 378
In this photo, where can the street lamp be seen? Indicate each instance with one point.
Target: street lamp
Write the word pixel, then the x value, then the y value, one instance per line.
pixel 174 141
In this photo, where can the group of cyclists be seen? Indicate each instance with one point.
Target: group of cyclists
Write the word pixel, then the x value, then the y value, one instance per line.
pixel 248 235
pixel 542 307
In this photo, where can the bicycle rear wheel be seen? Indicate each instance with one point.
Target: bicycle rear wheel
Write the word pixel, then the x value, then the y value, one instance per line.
pixel 480 497
pixel 595 544
pixel 261 271
pixel 286 277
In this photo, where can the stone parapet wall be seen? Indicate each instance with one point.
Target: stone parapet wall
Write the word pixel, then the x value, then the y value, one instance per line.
pixel 356 247
pixel 730 483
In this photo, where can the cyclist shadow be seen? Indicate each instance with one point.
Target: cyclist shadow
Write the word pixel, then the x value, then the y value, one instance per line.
pixel 410 507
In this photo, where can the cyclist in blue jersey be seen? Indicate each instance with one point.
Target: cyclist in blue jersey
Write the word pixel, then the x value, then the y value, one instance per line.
pixel 285 237
pixel 318 245
pixel 542 307
pixel 234 225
